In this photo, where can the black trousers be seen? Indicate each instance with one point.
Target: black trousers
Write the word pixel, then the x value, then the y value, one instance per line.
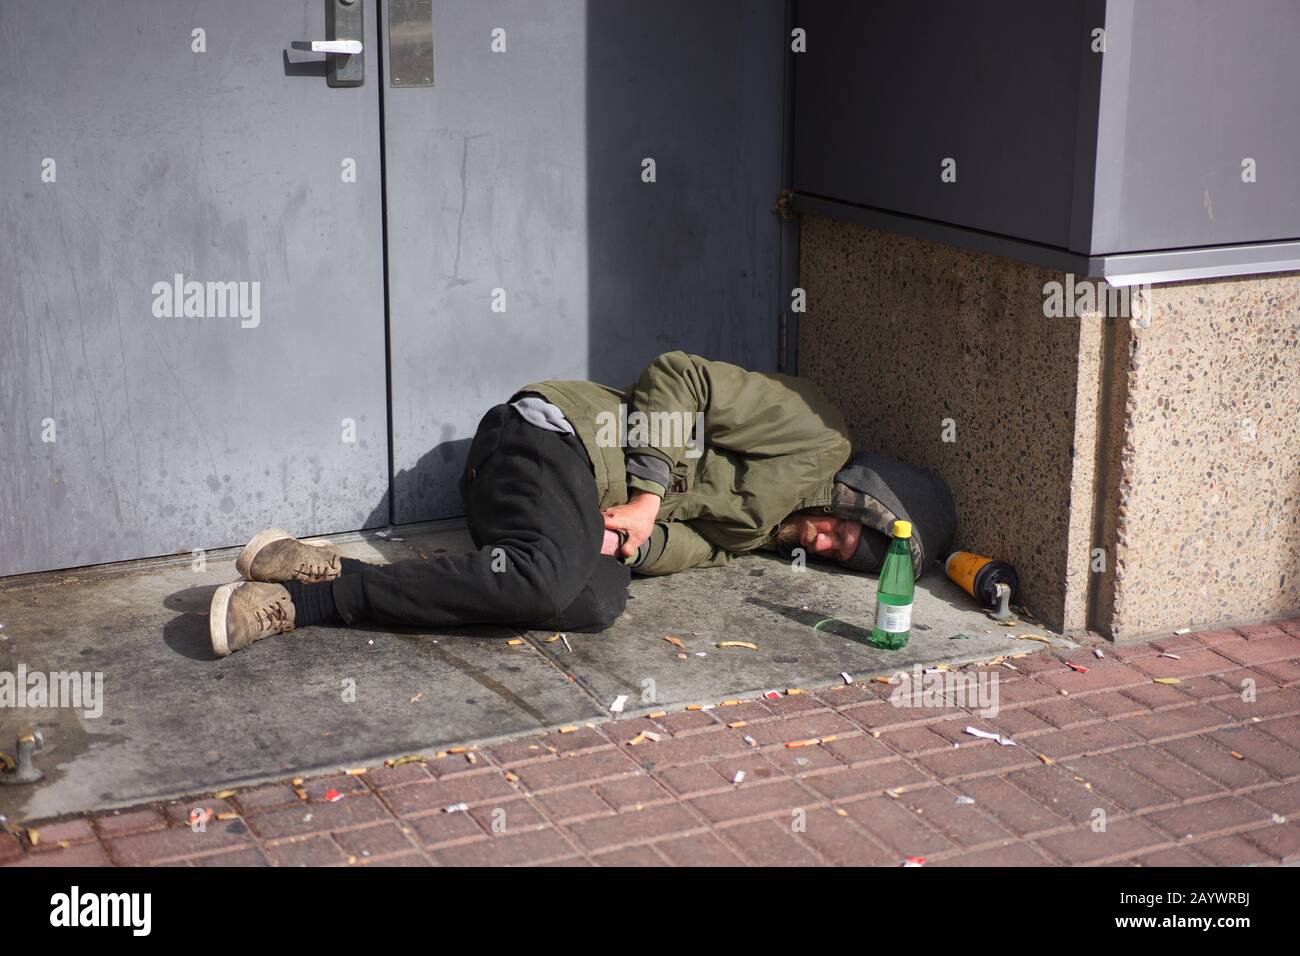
pixel 531 501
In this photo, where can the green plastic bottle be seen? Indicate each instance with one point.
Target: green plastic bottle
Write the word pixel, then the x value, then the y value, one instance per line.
pixel 894 592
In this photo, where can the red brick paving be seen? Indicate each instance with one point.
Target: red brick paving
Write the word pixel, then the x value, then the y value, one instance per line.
pixel 1116 770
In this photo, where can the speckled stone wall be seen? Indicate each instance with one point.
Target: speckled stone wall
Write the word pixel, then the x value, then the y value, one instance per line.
pixel 907 333
pixel 1204 514
pixel 1174 447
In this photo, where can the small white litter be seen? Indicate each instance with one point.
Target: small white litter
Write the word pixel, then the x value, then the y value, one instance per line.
pixel 963 800
pixel 1096 652
pixel 456 808
pixel 617 706
pixel 845 676
pixel 1004 741
pixel 739 777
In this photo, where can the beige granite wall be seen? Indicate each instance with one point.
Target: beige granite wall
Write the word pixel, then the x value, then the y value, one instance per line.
pixel 1174 446
pixel 907 334
pixel 1204 512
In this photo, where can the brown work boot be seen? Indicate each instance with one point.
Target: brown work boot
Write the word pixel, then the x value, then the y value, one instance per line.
pixel 275 555
pixel 247 611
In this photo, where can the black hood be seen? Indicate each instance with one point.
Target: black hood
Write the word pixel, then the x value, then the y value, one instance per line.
pixel 877 491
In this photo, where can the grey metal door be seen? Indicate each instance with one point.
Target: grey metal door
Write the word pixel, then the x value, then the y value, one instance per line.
pixel 147 140
pixel 524 240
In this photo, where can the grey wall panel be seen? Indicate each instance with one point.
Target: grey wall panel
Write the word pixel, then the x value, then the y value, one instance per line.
pixel 1190 89
pixel 521 170
pixel 887 90
pixel 180 433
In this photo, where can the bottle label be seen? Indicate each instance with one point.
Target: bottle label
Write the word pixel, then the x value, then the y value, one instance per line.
pixel 893 619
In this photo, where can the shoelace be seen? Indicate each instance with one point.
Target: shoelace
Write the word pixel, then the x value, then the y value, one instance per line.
pixel 273 617
pixel 314 570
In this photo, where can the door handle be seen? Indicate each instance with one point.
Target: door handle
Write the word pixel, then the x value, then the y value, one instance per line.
pixel 345 62
pixel 350 47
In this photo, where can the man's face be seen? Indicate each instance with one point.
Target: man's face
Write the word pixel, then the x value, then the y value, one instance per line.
pixel 825 536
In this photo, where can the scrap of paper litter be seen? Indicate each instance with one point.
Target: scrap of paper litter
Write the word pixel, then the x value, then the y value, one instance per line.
pixel 1004 741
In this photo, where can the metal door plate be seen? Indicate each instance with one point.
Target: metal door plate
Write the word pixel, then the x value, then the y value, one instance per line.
pixel 410 43
pixel 345 23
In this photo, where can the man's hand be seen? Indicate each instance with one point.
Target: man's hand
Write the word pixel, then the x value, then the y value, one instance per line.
pixel 636 519
pixel 611 543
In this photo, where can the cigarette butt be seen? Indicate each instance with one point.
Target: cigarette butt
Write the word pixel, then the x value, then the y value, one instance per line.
pixel 827 740
pixel 569 729
pixel 552 639
pixel 651 736
pixel 355 771
pixel 793 691
pixel 730 703
pixel 471 758
pixel 1237 755
pixel 736 724
pixel 658 713
pixel 744 644
pixel 1032 637
pixel 514 641
pixel 810 742
pixel 223 794
pixel 1046 759
pixel 297 781
pixel 300 793
pixel 228 815
pixel 694 706
pixel 512 777
pixel 638 739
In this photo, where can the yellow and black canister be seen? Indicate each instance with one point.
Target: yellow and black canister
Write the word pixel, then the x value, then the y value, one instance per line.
pixel 980 576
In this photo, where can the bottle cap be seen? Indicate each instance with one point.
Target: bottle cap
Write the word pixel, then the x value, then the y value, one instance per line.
pixel 902 529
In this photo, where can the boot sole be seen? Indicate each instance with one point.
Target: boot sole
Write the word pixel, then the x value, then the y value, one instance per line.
pixel 244 563
pixel 217 618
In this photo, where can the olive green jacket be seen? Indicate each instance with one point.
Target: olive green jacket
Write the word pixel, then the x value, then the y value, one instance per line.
pixel 771 446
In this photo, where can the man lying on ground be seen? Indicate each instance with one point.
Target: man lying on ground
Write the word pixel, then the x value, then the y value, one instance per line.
pixel 569 487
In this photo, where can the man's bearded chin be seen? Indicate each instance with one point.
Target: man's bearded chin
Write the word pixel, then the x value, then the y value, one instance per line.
pixel 789 536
